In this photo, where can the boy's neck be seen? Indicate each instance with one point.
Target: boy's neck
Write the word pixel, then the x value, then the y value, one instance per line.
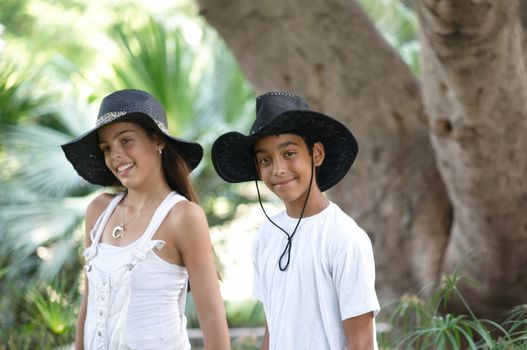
pixel 315 204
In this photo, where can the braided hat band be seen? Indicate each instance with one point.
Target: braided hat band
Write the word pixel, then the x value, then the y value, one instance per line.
pixel 124 106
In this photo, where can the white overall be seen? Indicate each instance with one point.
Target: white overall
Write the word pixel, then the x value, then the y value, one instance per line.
pixel 156 319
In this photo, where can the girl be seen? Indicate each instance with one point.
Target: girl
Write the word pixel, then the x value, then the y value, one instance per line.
pixel 145 244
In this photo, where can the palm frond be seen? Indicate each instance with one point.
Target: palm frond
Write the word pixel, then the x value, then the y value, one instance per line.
pixel 41 165
pixel 161 63
pixel 227 98
pixel 18 100
pixel 29 226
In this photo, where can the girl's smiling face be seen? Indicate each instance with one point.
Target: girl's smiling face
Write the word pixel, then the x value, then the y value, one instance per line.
pixel 130 153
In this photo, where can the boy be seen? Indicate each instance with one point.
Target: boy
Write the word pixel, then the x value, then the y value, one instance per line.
pixel 313 265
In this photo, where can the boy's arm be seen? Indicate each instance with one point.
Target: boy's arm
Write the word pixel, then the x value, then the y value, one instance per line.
pixel 359 332
pixel 265 341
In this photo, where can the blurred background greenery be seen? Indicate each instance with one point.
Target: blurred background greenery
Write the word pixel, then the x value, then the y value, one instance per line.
pixel 58 58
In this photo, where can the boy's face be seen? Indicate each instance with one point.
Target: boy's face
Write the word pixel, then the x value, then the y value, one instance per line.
pixel 284 163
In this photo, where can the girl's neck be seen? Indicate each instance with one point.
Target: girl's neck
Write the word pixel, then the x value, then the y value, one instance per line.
pixel 139 199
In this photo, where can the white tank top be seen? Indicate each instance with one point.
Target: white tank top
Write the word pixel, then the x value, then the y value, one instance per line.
pixel 136 299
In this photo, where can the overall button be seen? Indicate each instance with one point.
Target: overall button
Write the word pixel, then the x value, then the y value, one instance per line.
pixel 99 333
pixel 101 313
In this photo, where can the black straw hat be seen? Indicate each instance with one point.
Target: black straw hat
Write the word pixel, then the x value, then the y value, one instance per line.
pixel 280 113
pixel 124 106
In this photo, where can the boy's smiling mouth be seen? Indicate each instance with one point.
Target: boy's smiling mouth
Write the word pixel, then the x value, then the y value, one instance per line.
pixel 283 183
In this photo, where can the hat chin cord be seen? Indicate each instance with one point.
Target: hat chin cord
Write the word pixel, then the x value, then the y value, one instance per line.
pixel 287 250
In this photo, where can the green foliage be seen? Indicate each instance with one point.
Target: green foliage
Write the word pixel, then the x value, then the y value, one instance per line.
pixel 515 322
pixel 45 315
pixel 248 313
pixel 200 85
pixel 17 100
pixel 15 17
pixel 41 165
pixel 398 23
pixel 419 324
pixel 161 63
pixel 51 309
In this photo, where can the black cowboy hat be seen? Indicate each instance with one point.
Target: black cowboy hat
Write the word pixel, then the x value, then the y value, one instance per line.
pixel 124 106
pixel 280 113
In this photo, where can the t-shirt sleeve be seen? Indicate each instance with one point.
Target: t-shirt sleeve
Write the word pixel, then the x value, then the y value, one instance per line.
pixel 353 273
pixel 257 286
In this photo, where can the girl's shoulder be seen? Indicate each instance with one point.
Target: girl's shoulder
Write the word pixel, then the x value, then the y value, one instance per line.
pixel 184 213
pixel 184 223
pixel 101 201
pixel 93 211
pixel 98 205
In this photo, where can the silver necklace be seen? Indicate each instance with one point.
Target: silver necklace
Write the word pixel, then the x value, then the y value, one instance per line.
pixel 118 231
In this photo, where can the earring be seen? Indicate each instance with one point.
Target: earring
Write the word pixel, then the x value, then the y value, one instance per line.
pixel 160 150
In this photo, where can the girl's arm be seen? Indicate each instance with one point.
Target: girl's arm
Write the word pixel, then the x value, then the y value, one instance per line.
pixel 79 333
pixel 194 245
pixel 93 211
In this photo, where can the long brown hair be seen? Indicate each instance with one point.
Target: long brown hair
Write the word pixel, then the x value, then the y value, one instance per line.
pixel 177 173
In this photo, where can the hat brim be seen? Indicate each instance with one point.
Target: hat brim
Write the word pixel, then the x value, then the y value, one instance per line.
pixel 233 161
pixel 84 154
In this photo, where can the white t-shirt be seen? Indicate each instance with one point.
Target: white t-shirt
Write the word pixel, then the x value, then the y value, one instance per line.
pixel 330 278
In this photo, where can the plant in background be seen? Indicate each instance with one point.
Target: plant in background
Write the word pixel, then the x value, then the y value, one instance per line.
pixel 44 320
pixel 248 313
pixel 419 324
pixel 398 22
pixel 37 221
pixel 49 309
pixel 515 322
pixel 17 101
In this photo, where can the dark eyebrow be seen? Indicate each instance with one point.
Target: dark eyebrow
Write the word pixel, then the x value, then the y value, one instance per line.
pixel 116 135
pixel 280 146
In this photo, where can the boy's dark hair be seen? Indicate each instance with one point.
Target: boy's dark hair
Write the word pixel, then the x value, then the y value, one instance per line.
pixel 308 139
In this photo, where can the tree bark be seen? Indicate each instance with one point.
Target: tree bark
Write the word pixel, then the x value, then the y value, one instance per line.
pixel 330 52
pixel 475 91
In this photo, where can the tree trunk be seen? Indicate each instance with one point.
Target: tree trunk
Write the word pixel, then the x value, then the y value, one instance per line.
pixel 475 93
pixel 330 52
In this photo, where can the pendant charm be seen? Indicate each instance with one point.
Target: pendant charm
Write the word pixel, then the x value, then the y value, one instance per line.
pixel 118 232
